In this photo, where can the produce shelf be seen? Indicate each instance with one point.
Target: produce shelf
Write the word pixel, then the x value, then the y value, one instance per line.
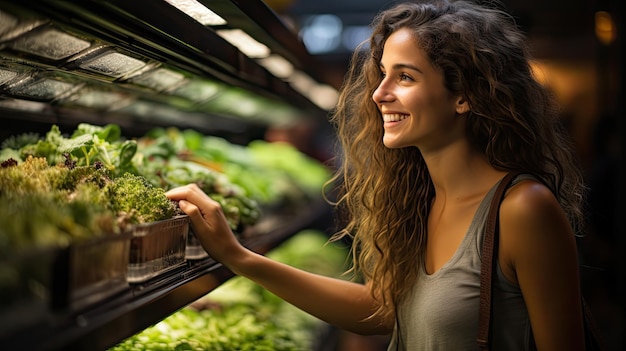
pixel 42 84
pixel 120 316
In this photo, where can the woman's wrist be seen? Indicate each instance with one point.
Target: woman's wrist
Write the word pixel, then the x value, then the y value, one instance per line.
pixel 242 261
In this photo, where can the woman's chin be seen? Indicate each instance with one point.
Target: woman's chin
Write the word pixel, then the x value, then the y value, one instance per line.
pixel 391 143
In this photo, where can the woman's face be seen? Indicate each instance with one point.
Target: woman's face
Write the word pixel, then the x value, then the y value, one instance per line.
pixel 417 109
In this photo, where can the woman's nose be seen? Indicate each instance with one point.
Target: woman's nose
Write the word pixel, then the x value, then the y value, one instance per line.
pixel 382 93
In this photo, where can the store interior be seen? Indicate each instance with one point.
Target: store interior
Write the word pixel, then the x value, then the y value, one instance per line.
pixel 577 48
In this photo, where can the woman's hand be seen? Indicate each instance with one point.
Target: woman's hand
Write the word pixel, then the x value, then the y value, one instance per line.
pixel 208 223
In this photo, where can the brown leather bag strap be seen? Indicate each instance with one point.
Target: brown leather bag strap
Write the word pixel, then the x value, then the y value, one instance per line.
pixel 489 251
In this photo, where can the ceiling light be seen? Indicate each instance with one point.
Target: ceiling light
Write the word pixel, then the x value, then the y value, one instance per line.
pixel 198 90
pixel 43 89
pixel 99 99
pixel 6 75
pixel 24 105
pixel 244 43
pixel 50 43
pixel 324 96
pixel 113 64
pixel 199 12
pixel 160 79
pixel 301 82
pixel 277 65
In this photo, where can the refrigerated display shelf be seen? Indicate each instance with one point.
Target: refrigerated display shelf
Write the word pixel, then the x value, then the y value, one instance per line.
pixel 141 305
pixel 158 35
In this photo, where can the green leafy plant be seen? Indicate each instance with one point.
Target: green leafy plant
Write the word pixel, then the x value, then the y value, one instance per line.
pixel 88 144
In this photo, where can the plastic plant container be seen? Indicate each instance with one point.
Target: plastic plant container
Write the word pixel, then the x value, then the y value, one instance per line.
pixel 156 248
pixel 98 269
pixel 194 250
pixel 41 281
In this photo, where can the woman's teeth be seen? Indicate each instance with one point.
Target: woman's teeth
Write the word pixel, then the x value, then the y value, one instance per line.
pixel 394 117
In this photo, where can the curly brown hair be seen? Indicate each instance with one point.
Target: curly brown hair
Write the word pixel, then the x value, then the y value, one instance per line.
pixel 514 120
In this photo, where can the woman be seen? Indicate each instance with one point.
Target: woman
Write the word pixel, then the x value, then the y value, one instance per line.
pixel 429 121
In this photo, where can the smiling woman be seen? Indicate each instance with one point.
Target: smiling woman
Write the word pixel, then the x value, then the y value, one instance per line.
pixel 442 107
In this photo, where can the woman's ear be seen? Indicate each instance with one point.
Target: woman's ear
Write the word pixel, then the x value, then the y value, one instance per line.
pixel 462 106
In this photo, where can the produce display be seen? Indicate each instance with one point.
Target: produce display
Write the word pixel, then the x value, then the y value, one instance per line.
pixel 54 211
pixel 268 173
pixel 44 205
pixel 240 315
pixel 82 185
pixel 162 158
pixel 84 216
pixel 103 147
pixel 243 179
pixel 88 145
pixel 282 157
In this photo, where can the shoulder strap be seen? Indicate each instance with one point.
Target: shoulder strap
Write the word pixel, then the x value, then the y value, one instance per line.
pixel 489 251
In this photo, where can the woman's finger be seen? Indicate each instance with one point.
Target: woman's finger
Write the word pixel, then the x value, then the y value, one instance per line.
pixel 190 192
pixel 194 213
pixel 196 201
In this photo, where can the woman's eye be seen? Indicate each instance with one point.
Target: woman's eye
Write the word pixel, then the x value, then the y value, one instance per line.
pixel 405 77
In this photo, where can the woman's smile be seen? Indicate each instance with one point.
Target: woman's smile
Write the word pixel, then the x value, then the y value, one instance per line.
pixel 394 117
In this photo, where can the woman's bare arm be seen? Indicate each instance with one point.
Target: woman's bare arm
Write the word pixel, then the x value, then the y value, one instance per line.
pixel 341 303
pixel 538 252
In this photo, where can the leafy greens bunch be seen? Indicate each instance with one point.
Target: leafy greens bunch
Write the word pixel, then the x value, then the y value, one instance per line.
pixel 52 205
pixel 87 145
pixel 164 157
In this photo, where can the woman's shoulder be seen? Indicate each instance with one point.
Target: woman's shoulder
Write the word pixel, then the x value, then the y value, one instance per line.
pixel 528 193
pixel 529 204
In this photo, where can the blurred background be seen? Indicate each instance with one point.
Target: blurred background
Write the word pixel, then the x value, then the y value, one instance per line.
pixel 577 47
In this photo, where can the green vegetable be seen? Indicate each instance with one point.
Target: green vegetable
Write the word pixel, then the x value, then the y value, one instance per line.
pixel 305 171
pixel 238 328
pixel 172 172
pixel 17 142
pixel 262 183
pixel 137 200
pixel 43 205
pixel 239 210
pixel 88 144
pixel 51 206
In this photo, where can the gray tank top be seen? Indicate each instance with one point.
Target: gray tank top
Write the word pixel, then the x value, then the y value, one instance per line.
pixel 441 312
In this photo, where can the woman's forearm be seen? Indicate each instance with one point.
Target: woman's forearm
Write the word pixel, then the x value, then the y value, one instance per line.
pixel 342 303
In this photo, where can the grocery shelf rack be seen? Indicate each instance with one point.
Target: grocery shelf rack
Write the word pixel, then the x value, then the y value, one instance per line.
pixel 57 67
pixel 106 323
